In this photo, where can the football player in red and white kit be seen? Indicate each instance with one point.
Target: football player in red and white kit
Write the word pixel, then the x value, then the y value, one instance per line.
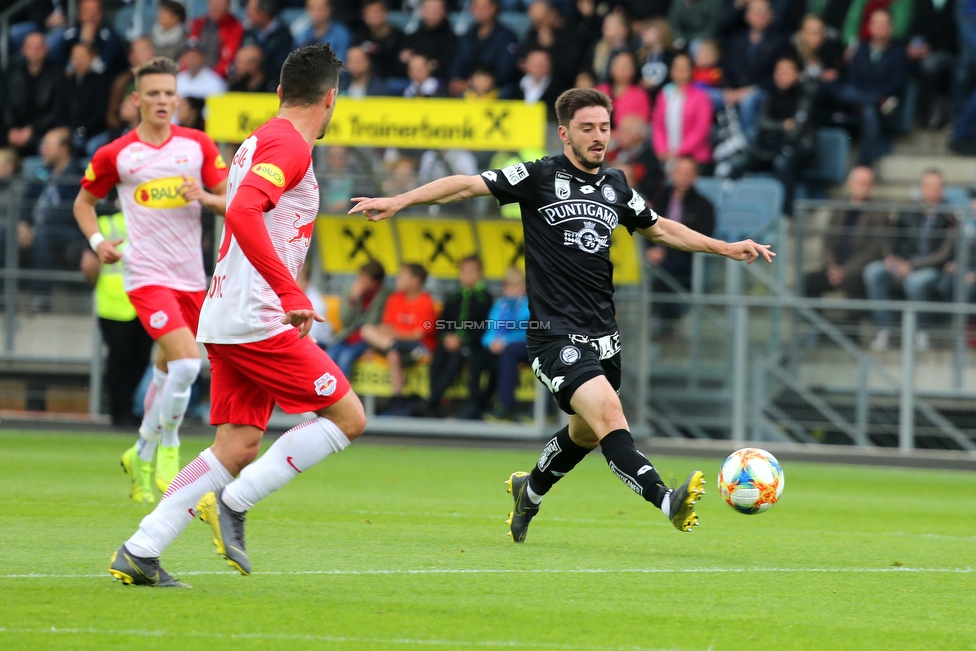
pixel 254 323
pixel 160 171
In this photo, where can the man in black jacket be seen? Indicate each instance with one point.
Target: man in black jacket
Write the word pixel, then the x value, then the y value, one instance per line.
pixel 463 318
pixel 486 43
pixel 93 30
pixel 32 95
pixel 932 51
pixel 270 33
pixel 84 98
pixel 434 38
pixel 682 203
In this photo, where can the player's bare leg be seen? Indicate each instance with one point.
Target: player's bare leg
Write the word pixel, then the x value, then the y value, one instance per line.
pixel 297 450
pixel 182 358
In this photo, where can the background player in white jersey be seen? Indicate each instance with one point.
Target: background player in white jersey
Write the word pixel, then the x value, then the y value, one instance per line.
pixel 254 323
pixel 160 170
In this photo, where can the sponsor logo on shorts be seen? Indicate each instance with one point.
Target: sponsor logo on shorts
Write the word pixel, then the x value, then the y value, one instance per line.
pixel 90 173
pixel 627 479
pixel 161 193
pixel 219 162
pixel 270 172
pixel 552 449
pixel 553 384
pixel 159 320
pixel 569 354
pixel 326 385
pixel 608 193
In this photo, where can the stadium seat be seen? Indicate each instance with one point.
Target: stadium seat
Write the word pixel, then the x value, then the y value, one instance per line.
pixel 738 220
pixel 768 192
pixel 713 188
pixel 833 150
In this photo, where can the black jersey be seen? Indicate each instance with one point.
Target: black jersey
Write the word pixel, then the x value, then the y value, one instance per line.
pixel 568 217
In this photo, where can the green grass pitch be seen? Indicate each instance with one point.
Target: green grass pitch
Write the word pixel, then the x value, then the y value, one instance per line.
pixel 391 548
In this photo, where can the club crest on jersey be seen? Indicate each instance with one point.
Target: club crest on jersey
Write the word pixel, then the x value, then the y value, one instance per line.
pixel 181 161
pixel 562 185
pixel 326 385
pixel 159 320
pixel 569 354
pixel 587 239
pixel 137 155
pixel 303 232
pixel 608 193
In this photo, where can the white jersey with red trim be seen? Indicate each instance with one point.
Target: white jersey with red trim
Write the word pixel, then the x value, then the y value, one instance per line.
pixel 163 229
pixel 240 306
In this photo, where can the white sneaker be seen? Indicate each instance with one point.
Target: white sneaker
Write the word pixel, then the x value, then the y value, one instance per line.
pixel 922 341
pixel 880 341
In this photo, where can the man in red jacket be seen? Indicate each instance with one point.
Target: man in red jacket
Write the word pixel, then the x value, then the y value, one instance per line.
pixel 219 35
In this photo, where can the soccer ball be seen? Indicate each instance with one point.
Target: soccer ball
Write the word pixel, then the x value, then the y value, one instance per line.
pixel 751 480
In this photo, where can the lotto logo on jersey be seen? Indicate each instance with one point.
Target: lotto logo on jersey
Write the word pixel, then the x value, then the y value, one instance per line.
pixel 158 320
pixel 161 193
pixel 325 385
pixel 271 173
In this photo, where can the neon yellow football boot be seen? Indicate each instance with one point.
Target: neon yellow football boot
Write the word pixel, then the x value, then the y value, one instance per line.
pixel 140 473
pixel 167 466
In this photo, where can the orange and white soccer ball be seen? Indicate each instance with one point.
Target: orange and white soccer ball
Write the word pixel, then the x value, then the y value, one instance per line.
pixel 751 480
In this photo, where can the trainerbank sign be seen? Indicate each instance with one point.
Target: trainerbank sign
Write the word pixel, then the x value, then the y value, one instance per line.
pixel 395 122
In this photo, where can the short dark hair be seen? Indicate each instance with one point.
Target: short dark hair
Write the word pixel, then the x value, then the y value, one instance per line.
pixel 474 257
pixel 416 270
pixel 308 74
pixel 268 7
pixel 374 270
pixel 175 8
pixel 575 99
pixel 156 66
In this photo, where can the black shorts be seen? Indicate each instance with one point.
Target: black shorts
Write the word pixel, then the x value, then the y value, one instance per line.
pixel 564 362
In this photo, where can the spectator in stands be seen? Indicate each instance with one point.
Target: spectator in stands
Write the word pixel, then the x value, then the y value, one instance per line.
pixel 196 79
pixel 585 79
pixel 680 202
pixel 923 242
pixel 820 54
pixel 832 12
pixel 551 32
pixel 9 195
pixel 536 84
pixel 873 82
pixel 357 79
pixel 219 35
pixel 504 339
pixel 323 29
pixel 629 97
pixel 694 20
pixel 189 113
pixel 482 85
pixel 140 51
pixel 31 96
pixel 48 211
pixel 655 55
pixel 616 38
pixel 932 52
pixel 434 38
pixel 362 306
pixel 345 176
pixel 707 73
pixel 423 83
pixel 488 44
pixel 855 236
pixel 857 23
pixel 631 151
pixel 682 117
pixel 270 33
pixel 381 41
pixel 247 73
pixel 168 34
pixel 785 138
pixel 92 30
pixel 749 60
pixel 406 333
pixel 459 343
pixel 84 98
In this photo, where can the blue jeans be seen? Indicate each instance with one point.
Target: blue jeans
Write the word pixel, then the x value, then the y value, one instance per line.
pixel 509 359
pixel 919 285
pixel 345 355
pixel 871 136
pixel 749 109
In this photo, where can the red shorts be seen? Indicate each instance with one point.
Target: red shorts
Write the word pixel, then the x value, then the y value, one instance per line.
pixel 163 310
pixel 246 380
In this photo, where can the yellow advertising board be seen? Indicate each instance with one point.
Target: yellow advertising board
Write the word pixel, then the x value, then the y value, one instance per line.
pixel 502 246
pixel 416 123
pixel 347 243
pixel 438 244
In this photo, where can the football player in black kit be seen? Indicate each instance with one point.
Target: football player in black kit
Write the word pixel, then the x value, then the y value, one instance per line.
pixel 570 206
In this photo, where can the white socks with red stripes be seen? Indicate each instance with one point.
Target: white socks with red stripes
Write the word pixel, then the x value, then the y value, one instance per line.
pixel 150 430
pixel 296 450
pixel 177 508
pixel 175 397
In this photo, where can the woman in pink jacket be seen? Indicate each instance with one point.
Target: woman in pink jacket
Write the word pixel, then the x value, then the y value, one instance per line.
pixel 628 97
pixel 682 116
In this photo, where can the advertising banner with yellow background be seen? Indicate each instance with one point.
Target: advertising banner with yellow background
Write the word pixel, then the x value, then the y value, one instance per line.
pixel 413 123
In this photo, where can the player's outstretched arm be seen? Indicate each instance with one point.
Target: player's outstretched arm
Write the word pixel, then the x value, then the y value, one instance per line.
pixel 87 219
pixel 678 236
pixel 446 190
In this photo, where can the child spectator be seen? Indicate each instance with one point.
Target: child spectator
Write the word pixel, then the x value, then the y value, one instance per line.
pixel 707 73
pixel 505 340
pixel 629 98
pixel 422 82
pixel 481 85
pixel 682 117
pixel 169 33
pixel 407 332
pixel 362 306
pixel 458 344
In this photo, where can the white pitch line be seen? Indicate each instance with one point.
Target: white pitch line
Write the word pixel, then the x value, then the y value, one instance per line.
pixel 339 639
pixel 581 570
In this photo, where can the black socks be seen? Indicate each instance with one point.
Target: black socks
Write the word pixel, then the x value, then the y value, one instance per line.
pixel 559 456
pixel 631 467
